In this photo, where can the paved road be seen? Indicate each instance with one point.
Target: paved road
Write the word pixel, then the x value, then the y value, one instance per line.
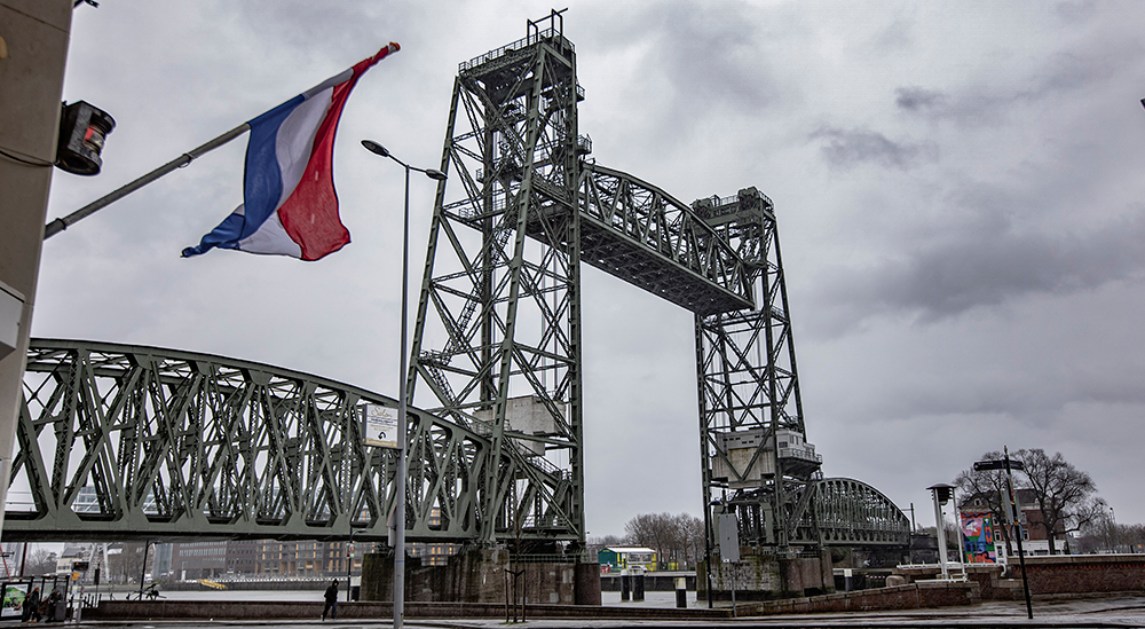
pixel 1104 612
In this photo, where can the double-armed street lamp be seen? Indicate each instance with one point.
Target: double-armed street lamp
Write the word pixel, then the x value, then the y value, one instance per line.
pixel 403 373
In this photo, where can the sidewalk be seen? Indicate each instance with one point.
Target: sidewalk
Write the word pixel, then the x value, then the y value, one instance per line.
pixel 1079 613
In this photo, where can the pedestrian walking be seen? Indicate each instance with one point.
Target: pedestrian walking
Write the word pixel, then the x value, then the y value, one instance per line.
pixel 331 596
pixel 31 607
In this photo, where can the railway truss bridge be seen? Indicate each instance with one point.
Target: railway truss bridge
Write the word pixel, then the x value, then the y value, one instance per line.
pixel 119 442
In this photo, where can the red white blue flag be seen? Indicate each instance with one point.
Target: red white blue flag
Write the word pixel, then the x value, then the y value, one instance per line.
pixel 289 205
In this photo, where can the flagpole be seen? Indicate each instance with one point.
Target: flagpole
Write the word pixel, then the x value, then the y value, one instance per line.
pixel 60 224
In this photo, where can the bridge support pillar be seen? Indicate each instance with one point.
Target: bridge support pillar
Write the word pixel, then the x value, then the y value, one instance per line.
pixel 484 575
pixel 762 577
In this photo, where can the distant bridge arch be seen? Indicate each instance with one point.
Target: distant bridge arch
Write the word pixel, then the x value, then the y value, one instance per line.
pixel 854 514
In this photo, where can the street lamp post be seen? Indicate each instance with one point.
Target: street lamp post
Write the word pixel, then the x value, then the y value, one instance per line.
pixel 1012 511
pixel 941 494
pixel 1113 527
pixel 403 374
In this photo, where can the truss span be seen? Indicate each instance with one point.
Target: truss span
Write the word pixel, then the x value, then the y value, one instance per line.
pixel 851 513
pixel 124 442
pixel 637 232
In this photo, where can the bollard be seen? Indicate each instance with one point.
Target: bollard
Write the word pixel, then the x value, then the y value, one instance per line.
pixel 625 586
pixel 638 587
pixel 681 592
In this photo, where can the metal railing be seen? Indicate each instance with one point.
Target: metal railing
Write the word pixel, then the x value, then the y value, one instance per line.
pixel 547 34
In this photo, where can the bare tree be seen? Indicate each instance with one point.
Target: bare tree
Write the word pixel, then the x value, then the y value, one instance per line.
pixel 1064 495
pixel 596 543
pixel 692 534
pixel 40 561
pixel 653 530
pixel 125 561
pixel 676 539
pixel 1133 536
pixel 1101 534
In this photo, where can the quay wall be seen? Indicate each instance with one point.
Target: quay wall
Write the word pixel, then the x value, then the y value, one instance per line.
pixel 1084 574
pixel 1058 575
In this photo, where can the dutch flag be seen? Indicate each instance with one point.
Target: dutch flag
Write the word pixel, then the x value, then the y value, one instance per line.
pixel 289 204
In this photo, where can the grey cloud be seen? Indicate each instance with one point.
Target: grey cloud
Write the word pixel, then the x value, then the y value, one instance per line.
pixel 976 104
pixel 995 266
pixel 688 63
pixel 918 98
pixel 848 147
pixel 1074 13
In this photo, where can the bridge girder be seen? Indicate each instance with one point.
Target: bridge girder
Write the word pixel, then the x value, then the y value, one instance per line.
pixel 125 442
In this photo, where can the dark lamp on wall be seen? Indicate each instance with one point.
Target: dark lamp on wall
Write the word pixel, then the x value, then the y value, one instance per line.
pixel 83 130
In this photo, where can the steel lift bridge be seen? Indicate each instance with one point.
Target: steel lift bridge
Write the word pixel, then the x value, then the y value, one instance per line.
pixel 119 442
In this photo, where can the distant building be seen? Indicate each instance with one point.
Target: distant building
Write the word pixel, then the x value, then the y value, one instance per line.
pixel 633 558
pixel 436 554
pixel 208 560
pixel 70 555
pixel 199 560
pixel 1035 536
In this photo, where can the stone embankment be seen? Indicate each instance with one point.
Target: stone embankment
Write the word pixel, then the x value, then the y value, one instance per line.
pixel 1058 576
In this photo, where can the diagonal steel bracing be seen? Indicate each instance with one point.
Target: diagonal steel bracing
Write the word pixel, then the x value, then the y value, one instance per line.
pixel 120 442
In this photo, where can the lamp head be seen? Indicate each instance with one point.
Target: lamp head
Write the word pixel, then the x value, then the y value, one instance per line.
pixel 375 148
pixel 434 174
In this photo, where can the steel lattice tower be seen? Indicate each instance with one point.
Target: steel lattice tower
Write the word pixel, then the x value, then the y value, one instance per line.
pixel 754 447
pixel 497 335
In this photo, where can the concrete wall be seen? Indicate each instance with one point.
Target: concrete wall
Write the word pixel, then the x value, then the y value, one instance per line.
pixel 483 575
pixel 766 577
pixel 35 44
pixel 911 596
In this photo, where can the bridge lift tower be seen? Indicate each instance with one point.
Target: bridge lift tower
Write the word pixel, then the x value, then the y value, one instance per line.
pixel 497 341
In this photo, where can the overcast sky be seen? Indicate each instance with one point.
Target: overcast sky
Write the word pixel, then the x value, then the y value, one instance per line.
pixel 958 188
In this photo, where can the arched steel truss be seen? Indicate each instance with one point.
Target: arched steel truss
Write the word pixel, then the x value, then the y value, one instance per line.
pixel 121 442
pixel 852 513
